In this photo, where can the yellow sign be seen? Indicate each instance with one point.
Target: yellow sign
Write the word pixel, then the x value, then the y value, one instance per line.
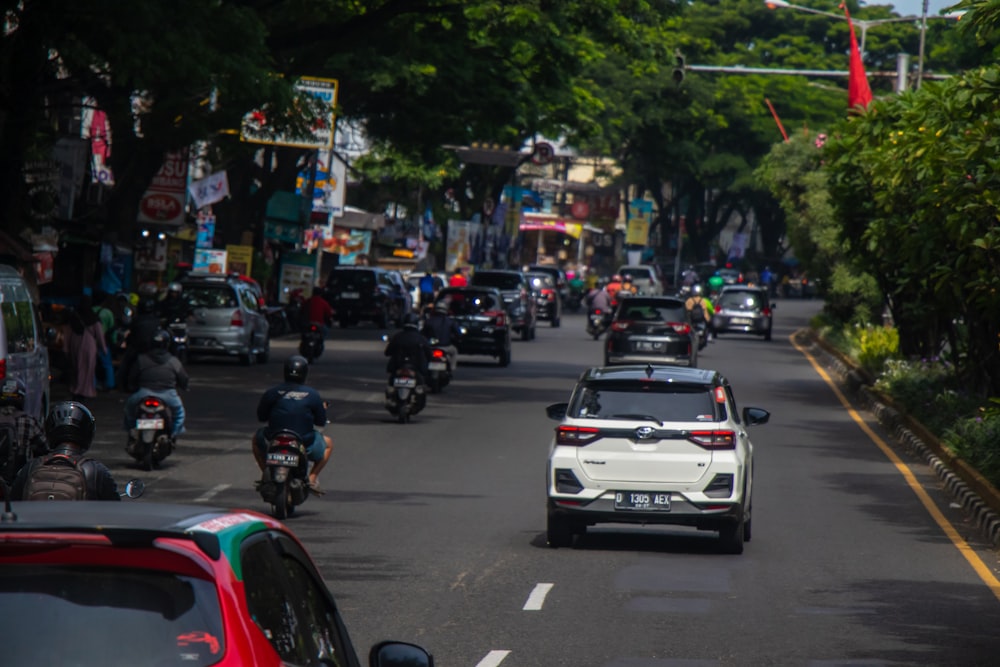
pixel 239 259
pixel 637 232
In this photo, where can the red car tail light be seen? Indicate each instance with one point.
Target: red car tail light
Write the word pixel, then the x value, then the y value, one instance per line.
pixel 621 325
pixel 3 369
pixel 499 317
pixel 577 435
pixel 237 319
pixel 549 294
pixel 767 312
pixel 714 439
pixel 680 327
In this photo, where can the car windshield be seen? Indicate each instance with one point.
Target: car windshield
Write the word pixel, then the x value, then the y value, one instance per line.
pixel 352 279
pixel 644 400
pixel 740 300
pixel 104 617
pixel 470 303
pixel 499 280
pixel 639 310
pixel 210 296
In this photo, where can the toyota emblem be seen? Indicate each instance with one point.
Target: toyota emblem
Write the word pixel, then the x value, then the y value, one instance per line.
pixel 644 432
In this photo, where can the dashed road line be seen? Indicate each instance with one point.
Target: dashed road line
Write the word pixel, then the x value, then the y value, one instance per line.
pixel 537 597
pixel 493 658
pixel 211 493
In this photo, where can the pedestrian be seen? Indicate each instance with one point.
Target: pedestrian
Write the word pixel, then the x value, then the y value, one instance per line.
pixel 83 345
pixel 105 362
pixel 458 278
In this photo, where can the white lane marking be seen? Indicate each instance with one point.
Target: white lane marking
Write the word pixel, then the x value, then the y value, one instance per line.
pixel 537 597
pixel 211 493
pixel 493 658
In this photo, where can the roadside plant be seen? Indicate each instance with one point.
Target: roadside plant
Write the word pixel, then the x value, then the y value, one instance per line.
pixel 975 441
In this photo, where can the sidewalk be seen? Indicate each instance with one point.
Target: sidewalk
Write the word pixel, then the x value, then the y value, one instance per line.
pixel 979 498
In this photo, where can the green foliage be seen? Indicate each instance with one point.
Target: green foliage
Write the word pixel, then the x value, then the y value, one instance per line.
pixel 876 345
pixel 976 440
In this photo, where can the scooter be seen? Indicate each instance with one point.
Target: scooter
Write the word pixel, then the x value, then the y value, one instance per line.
pixel 311 343
pixel 151 441
pixel 179 339
pixel 439 368
pixel 702 329
pixel 598 322
pixel 405 395
pixel 284 484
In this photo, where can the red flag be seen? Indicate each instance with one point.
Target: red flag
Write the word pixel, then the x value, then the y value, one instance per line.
pixel 858 90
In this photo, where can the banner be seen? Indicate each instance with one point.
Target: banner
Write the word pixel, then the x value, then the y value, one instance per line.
pixel 239 259
pixel 460 234
pixel 150 254
pixel 640 216
pixel 206 230
pixel 207 260
pixel 328 190
pixel 349 244
pixel 298 275
pixel 163 202
pixel 209 190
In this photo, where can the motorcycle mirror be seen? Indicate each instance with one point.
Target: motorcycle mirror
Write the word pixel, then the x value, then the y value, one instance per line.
pixel 134 488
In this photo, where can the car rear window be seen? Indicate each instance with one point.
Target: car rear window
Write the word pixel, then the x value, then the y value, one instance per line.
pixel 352 279
pixel 498 280
pixel 740 300
pixel 637 272
pixel 635 310
pixel 470 303
pixel 210 296
pixel 639 400
pixel 107 617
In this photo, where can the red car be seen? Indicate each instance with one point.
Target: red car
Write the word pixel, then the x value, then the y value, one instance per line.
pixel 122 584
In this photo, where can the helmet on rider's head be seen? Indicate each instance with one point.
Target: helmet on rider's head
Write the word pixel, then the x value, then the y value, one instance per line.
pixel 12 392
pixel 296 369
pixel 147 306
pixel 696 289
pixel 174 288
pixel 411 321
pixel 70 421
pixel 617 278
pixel 160 340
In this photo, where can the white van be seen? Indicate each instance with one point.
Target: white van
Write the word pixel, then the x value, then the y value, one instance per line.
pixel 23 351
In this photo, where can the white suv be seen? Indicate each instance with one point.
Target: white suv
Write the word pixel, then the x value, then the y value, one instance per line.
pixel 651 445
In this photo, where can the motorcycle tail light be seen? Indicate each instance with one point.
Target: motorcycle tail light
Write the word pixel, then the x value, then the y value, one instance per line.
pixel 237 319
pixel 577 436
pixel 713 439
pixel 406 373
pixel 597 311
pixel 680 327
pixel 313 328
pixel 285 440
pixel 151 402
pixel 437 354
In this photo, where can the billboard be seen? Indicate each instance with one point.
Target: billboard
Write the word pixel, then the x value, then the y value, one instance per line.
pixel 256 128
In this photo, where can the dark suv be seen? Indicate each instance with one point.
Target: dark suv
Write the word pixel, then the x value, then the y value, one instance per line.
pixel 366 293
pixel 517 298
pixel 558 275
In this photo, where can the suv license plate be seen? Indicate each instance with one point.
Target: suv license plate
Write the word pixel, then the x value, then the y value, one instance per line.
pixel 642 500
pixel 147 424
pixel 647 346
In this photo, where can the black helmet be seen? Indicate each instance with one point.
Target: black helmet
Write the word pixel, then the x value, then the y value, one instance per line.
pixel 12 392
pixel 160 340
pixel 147 306
pixel 296 369
pixel 70 421
pixel 411 321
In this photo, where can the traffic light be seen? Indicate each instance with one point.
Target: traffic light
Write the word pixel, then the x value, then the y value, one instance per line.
pixel 678 72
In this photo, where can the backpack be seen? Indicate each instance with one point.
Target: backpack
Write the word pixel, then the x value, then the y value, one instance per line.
pixel 56 477
pixel 697 312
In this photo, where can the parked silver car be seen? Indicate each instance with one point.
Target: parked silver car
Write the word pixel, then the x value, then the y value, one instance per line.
pixel 226 318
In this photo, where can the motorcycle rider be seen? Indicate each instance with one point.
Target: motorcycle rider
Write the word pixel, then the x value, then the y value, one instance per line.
pixel 440 326
pixel 174 307
pixel 599 299
pixel 137 338
pixel 157 373
pixel 408 346
pixel 70 430
pixel 700 310
pixel 297 407
pixel 317 309
pixel 20 433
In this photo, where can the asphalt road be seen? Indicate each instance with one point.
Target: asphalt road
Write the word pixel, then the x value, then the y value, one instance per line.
pixel 433 531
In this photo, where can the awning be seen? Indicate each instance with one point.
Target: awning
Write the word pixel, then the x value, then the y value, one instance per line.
pixel 356 218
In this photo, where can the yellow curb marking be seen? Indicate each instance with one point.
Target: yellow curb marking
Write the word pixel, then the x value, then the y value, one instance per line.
pixel 963 547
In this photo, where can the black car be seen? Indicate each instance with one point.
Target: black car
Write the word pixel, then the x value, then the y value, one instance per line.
pixel 366 293
pixel 743 309
pixel 516 292
pixel 481 314
pixel 558 275
pixel 543 288
pixel 654 330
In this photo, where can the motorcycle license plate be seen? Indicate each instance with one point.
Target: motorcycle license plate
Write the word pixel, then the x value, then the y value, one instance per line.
pixel 148 424
pixel 350 295
pixel 404 382
pixel 282 459
pixel 437 366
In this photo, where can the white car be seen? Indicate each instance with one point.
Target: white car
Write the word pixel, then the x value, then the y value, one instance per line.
pixel 652 445
pixel 645 277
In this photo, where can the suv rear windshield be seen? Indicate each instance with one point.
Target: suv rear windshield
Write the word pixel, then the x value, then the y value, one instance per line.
pixel 637 400
pixel 637 309
pixel 470 303
pixel 741 300
pixel 499 280
pixel 210 296
pixel 110 617
pixel 356 279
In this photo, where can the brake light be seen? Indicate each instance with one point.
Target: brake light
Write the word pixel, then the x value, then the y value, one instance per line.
pixel 285 440
pixel 313 327
pixel 499 317
pixel 767 312
pixel 597 311
pixel 549 294
pixel 680 327
pixel 151 402
pixel 237 319
pixel 714 439
pixel 437 354
pixel 720 395
pixel 3 369
pixel 577 436
pixel 621 325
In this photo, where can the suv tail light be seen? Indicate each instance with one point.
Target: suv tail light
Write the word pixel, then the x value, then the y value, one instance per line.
pixel 680 327
pixel 237 319
pixel 621 325
pixel 3 369
pixel 577 436
pixel 714 439
pixel 499 317
pixel 549 294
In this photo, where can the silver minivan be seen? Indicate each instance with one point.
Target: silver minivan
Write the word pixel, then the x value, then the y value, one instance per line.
pixel 23 351
pixel 227 318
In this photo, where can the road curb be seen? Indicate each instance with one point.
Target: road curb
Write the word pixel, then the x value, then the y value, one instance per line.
pixel 976 496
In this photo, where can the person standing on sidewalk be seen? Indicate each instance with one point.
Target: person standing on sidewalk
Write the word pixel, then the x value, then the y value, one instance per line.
pixel 83 344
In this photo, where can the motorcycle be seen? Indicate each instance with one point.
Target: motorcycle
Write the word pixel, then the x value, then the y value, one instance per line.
pixel 405 396
pixel 179 339
pixel 575 300
pixel 150 441
pixel 285 482
pixel 702 329
pixel 598 322
pixel 311 344
pixel 439 368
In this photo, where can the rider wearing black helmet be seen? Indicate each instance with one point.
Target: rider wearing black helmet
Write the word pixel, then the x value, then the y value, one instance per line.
pixel 297 407
pixel 157 372
pixel 174 307
pixel 408 347
pixel 139 337
pixel 20 433
pixel 66 473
